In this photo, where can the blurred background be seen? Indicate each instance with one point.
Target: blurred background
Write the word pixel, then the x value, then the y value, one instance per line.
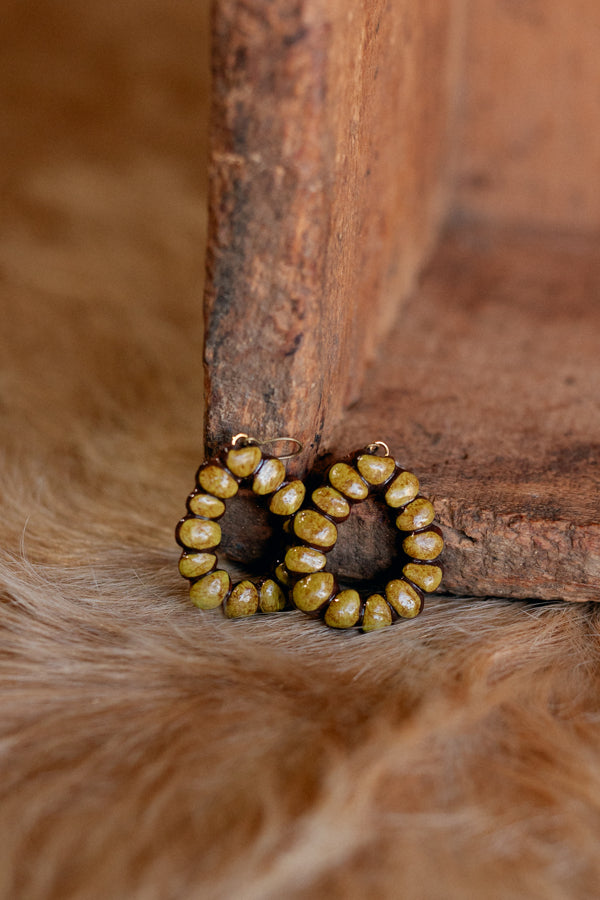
pixel 103 131
pixel 103 182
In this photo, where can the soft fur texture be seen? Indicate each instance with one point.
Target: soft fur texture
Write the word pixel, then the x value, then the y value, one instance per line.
pixel 150 750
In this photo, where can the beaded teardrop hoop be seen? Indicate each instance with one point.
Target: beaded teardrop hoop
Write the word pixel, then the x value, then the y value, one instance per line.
pixel 315 530
pixel 199 533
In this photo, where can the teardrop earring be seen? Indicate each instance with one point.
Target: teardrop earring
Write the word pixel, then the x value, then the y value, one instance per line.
pixel 368 472
pixel 243 461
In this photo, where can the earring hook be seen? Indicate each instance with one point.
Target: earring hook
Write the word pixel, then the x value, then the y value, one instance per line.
pixel 247 439
pixel 376 445
pixel 244 438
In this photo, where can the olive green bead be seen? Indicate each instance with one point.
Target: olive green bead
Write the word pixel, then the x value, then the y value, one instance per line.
pixel 210 591
pixel 311 592
pixel 288 499
pixel 402 490
pixel 192 565
pixel 377 613
pixel 304 559
pixel 417 514
pixel 403 598
pixel 347 480
pixel 207 506
pixel 217 481
pixel 242 601
pixel 344 610
pixel 282 575
pixel 427 577
pixel 375 469
pixel 243 461
pixel 271 597
pixel 314 528
pixel 269 477
pixel 199 534
pixel 423 545
pixel 330 501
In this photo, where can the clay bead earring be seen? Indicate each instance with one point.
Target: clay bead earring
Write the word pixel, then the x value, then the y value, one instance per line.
pixel 241 462
pixel 314 529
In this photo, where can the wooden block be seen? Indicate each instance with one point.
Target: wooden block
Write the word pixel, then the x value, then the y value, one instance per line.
pixel 330 142
pixel 327 184
pixel 488 389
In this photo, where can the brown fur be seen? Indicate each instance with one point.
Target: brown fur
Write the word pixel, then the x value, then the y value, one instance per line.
pixel 150 750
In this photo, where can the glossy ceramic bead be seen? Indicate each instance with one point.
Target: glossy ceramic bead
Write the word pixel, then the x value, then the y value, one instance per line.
pixel 402 490
pixel 199 534
pixel 331 502
pixel 282 575
pixel 344 610
pixel 210 591
pixel 304 560
pixel 288 499
pixel 206 505
pixel 217 481
pixel 242 601
pixel 423 545
pixel 269 477
pixel 347 481
pixel 417 514
pixel 314 528
pixel 403 598
pixel 377 613
pixel 311 592
pixel 271 598
pixel 193 565
pixel 243 461
pixel 426 577
pixel 375 469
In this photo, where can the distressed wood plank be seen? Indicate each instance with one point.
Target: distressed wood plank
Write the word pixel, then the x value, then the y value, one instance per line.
pixel 329 171
pixel 328 181
pixel 488 389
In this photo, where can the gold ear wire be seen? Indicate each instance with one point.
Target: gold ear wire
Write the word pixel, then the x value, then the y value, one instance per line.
pixel 374 447
pixel 247 440
pixel 279 440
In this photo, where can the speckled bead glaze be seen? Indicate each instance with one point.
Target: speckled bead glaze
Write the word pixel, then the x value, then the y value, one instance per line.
pixel 199 532
pixel 313 531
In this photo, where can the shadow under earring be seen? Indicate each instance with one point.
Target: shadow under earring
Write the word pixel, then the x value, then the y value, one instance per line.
pixel 315 532
pixel 242 462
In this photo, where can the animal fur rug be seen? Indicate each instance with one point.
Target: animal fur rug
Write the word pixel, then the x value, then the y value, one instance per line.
pixel 153 752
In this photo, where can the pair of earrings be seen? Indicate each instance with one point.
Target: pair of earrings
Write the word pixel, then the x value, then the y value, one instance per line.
pixel 310 528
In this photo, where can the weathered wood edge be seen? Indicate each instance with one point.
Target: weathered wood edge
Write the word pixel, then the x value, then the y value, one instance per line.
pixel 266 204
pixel 320 213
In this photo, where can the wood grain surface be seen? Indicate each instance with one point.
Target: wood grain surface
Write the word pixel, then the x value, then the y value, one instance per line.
pixel 337 131
pixel 488 389
pixel 330 139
